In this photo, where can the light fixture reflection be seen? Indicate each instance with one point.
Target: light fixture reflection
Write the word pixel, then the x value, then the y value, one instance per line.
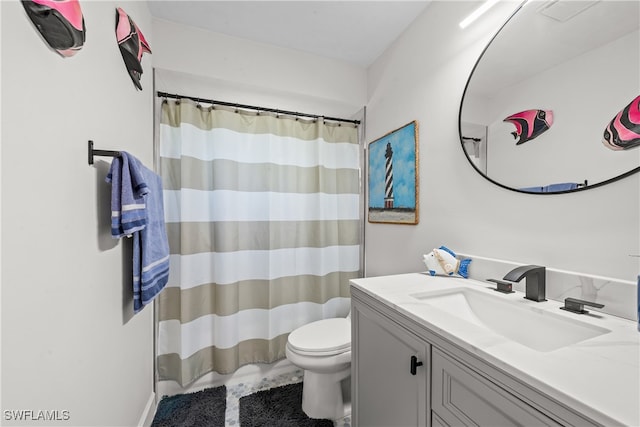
pixel 477 13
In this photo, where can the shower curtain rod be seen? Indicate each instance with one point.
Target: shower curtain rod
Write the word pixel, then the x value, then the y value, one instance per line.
pixel 251 107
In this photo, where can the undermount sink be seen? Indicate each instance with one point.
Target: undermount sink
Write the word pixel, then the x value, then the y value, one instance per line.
pixel 533 327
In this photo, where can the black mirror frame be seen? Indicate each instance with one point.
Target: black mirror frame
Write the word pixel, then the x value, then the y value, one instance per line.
pixel 466 86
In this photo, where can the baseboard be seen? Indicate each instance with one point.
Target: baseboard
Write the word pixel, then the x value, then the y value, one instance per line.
pixel 149 412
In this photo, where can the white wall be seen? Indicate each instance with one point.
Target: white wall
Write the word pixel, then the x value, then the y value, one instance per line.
pixel 200 63
pixel 69 339
pixel 422 76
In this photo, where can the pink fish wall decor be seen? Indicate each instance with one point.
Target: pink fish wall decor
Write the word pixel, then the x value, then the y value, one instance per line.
pixel 530 124
pixel 132 45
pixel 623 131
pixel 60 23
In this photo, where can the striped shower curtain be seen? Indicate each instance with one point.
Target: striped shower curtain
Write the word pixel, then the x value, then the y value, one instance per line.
pixel 263 219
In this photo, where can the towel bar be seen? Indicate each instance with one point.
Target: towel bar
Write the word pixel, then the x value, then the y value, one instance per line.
pixel 93 152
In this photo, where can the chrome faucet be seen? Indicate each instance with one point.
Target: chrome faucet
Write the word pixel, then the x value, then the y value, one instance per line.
pixel 535 284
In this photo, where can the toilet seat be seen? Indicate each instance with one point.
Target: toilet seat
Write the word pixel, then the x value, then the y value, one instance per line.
pixel 322 338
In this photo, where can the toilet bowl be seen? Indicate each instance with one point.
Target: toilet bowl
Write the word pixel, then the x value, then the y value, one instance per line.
pixel 323 350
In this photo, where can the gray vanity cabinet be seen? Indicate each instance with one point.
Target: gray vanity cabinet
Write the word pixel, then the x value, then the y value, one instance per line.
pixel 387 392
pixel 450 388
pixel 462 397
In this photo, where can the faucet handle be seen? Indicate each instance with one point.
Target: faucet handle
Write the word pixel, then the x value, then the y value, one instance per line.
pixel 575 305
pixel 502 286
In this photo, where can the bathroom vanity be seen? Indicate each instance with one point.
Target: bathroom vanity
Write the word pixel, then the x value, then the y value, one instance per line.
pixel 441 351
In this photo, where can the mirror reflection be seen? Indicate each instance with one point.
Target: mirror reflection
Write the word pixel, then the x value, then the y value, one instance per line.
pixel 538 104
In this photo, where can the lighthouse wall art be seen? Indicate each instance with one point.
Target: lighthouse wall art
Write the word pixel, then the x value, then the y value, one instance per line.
pixel 393 176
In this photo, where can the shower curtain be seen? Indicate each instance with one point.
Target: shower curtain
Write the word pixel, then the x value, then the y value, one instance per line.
pixel 263 220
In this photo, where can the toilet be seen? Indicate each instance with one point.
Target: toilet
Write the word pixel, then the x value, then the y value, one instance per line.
pixel 323 350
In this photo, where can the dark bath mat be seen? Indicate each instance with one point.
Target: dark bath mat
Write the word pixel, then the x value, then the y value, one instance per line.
pixel 203 408
pixel 280 406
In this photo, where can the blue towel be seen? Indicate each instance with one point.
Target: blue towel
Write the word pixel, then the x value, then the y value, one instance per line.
pixel 137 210
pixel 154 245
pixel 552 188
pixel 565 186
pixel 128 189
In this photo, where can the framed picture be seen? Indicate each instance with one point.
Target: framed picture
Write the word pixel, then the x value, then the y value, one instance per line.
pixel 393 177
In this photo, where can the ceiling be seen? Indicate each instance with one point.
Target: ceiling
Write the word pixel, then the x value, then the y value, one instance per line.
pixel 357 32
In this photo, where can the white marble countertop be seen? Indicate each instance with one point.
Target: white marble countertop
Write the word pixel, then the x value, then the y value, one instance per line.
pixel 599 377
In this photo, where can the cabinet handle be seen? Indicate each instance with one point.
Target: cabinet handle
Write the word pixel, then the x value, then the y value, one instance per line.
pixel 414 365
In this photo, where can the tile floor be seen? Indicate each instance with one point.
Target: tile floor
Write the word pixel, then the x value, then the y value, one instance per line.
pixel 236 391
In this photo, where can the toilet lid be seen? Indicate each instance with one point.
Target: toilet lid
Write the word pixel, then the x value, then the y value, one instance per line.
pixel 323 336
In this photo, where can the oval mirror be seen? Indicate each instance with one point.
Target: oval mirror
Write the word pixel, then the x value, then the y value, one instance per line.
pixel 535 109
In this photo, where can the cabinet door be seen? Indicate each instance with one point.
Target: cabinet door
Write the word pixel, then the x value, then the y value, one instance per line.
pixel 461 397
pixel 436 421
pixel 385 391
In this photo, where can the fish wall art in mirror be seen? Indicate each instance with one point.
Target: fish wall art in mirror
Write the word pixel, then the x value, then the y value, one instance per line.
pixel 570 67
pixel 530 124
pixel 623 131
